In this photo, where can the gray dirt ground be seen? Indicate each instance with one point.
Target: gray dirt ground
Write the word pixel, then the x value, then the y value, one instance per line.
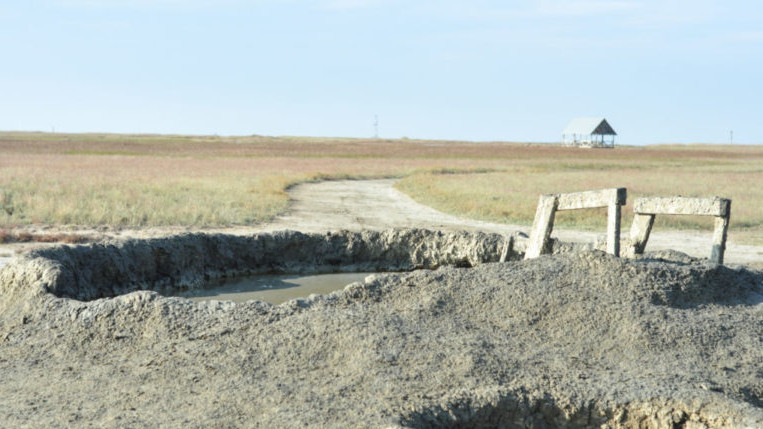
pixel 569 340
pixel 578 339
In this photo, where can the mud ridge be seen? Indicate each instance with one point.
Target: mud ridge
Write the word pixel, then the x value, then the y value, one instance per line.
pixel 190 261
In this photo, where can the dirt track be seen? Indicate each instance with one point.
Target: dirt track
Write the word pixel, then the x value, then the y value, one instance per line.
pixel 376 204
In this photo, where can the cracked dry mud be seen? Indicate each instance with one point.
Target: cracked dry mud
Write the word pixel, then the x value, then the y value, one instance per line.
pixel 574 339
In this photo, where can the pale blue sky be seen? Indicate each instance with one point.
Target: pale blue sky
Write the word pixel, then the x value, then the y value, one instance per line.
pixel 659 71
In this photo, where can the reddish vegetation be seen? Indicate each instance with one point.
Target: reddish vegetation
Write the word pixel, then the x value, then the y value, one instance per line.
pixel 301 147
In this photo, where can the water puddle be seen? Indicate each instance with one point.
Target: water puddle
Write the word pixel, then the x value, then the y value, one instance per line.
pixel 275 289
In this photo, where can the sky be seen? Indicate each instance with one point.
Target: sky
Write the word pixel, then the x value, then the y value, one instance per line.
pixel 679 71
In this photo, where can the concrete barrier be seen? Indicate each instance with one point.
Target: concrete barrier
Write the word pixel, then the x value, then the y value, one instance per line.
pixel 646 209
pixel 549 204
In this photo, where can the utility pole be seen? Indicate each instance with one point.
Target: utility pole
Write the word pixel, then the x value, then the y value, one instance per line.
pixel 731 137
pixel 376 126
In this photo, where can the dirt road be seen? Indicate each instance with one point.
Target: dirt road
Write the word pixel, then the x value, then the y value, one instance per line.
pixel 366 204
pixel 375 204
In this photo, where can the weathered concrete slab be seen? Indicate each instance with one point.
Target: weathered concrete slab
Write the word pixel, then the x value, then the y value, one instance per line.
pixel 542 225
pixel 720 232
pixel 613 228
pixel 683 206
pixel 640 230
pixel 592 199
pixel 508 245
pixel 548 204
pixel 647 208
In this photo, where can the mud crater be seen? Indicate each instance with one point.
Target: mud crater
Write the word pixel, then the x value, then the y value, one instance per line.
pixel 193 261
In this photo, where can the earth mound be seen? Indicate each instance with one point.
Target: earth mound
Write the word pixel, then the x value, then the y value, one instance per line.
pixel 578 339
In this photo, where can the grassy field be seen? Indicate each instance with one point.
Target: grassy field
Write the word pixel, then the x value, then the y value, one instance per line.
pixel 154 180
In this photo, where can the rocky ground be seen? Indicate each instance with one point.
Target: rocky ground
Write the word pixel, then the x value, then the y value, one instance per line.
pixel 575 339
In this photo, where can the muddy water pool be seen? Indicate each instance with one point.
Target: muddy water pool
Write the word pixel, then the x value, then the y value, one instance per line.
pixel 275 289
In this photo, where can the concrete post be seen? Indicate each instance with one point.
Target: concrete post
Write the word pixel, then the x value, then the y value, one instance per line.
pixel 507 247
pixel 719 237
pixel 642 226
pixel 613 229
pixel 542 225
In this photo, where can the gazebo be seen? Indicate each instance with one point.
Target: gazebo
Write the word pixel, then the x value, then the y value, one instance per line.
pixel 589 132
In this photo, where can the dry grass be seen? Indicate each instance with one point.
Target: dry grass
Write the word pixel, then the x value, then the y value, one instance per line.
pixel 88 182
pixel 152 180
pixel 511 196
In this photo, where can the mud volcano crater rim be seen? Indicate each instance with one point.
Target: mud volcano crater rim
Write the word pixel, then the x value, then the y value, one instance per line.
pixel 572 340
pixel 194 261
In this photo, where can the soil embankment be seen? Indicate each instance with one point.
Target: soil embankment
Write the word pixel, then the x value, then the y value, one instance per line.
pixel 576 339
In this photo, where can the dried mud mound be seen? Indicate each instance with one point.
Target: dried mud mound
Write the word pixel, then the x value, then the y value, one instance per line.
pixel 578 339
pixel 189 261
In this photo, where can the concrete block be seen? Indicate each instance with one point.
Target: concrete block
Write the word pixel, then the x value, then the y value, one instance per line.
pixel 542 225
pixel 613 229
pixel 507 247
pixel 642 226
pixel 592 199
pixel 683 206
pixel 720 232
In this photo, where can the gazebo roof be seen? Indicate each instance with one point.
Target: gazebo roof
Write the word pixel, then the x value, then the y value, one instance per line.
pixel 589 126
